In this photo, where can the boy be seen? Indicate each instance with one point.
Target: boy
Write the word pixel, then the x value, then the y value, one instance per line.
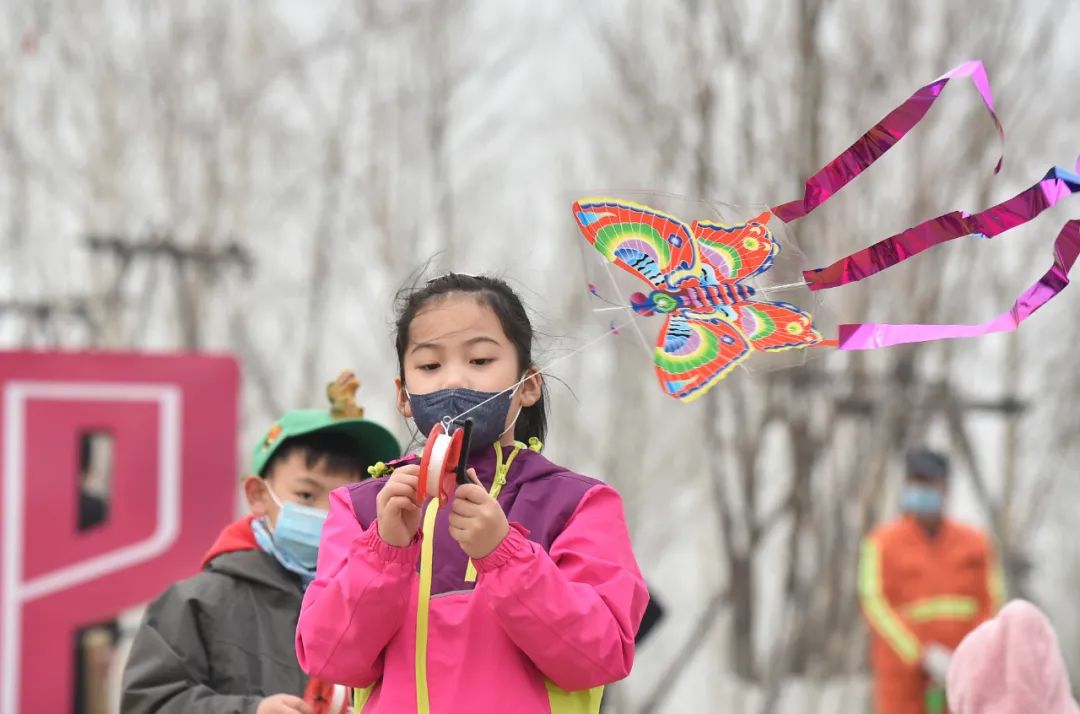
pixel 222 640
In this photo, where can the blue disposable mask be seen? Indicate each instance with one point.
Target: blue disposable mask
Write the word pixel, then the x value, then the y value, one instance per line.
pixel 296 534
pixel 921 500
pixel 487 410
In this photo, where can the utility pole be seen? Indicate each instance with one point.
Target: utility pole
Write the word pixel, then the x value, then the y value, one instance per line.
pixel 196 271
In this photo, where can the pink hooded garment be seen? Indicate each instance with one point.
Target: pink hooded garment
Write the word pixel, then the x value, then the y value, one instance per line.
pixel 549 619
pixel 1010 665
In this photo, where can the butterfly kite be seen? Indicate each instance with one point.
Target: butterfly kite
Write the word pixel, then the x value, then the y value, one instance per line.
pixel 698 276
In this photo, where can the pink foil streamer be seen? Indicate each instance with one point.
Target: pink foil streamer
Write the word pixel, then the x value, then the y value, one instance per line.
pixel 988 223
pixel 1066 248
pixel 991 222
pixel 883 136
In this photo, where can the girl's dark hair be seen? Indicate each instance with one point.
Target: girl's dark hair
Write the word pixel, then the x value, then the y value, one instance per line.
pixel 506 305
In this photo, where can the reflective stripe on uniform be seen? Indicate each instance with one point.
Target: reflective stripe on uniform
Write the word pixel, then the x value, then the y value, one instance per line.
pixel 942 607
pixel 996 586
pixel 881 616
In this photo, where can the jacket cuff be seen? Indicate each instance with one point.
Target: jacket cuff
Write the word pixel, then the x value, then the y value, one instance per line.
pixel 372 541
pixel 514 542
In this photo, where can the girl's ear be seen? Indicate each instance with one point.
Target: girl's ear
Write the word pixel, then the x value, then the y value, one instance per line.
pixel 532 387
pixel 403 406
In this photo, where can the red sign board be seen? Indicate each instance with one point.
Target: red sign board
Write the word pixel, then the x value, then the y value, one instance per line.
pixel 172 422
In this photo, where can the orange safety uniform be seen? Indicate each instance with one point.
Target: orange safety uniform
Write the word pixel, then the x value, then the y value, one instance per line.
pixel 915 589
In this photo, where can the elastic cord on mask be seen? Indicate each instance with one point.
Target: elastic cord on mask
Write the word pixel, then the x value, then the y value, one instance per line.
pixel 511 424
pixel 273 496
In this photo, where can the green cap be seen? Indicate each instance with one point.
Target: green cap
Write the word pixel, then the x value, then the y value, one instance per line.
pixel 374 441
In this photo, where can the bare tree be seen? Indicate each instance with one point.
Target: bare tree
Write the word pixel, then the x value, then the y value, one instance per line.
pixel 881 402
pixel 343 147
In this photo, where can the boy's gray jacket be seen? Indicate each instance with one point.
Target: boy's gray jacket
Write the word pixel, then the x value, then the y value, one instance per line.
pixel 218 642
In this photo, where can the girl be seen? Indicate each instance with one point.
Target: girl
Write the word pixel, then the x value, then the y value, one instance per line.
pixel 522 595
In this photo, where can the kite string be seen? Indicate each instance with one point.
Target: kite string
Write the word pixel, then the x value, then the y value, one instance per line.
pixel 785 286
pixel 615 286
pixel 613 330
pixel 548 366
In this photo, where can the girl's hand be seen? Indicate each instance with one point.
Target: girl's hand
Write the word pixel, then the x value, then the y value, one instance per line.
pixel 477 521
pixel 398 515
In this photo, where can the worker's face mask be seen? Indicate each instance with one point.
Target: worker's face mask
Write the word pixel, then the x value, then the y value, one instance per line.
pixel 921 500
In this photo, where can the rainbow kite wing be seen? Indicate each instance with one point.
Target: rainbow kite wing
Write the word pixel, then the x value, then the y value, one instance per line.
pixel 776 326
pixel 694 352
pixel 653 246
pixel 737 252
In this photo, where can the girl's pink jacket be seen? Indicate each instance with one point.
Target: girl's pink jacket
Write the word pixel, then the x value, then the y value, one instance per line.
pixel 549 620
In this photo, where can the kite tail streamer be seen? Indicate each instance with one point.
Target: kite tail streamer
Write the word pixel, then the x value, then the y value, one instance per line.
pixel 883 136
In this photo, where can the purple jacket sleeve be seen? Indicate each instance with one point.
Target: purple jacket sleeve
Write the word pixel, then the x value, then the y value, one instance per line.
pixel 575 609
pixel 357 601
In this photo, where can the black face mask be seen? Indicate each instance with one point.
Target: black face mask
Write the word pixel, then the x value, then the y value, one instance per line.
pixel 487 410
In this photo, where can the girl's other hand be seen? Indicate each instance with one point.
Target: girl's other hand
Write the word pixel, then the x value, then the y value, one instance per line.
pixel 477 521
